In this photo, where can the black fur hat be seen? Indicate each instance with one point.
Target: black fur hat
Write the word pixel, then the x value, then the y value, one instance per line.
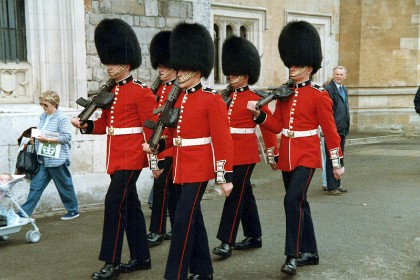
pixel 159 49
pixel 116 43
pixel 240 57
pixel 192 48
pixel 300 45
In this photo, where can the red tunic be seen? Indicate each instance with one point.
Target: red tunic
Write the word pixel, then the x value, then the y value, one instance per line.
pixel 309 107
pixel 133 105
pixel 202 114
pixel 245 146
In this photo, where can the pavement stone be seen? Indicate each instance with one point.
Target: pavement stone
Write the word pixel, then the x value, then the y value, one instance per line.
pixel 372 232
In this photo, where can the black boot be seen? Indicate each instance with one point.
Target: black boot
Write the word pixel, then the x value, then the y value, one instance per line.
pixel 307 259
pixel 109 271
pixel 201 277
pixel 134 265
pixel 224 250
pixel 289 266
pixel 154 239
pixel 248 243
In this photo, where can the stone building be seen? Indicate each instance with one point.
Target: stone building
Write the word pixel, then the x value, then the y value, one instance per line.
pixel 48 44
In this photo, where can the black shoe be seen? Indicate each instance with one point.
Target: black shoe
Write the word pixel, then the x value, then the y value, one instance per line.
pixel 168 235
pixel 154 239
pixel 289 266
pixel 224 250
pixel 307 259
pixel 248 243
pixel 134 265
pixel 201 277
pixel 109 271
pixel 340 189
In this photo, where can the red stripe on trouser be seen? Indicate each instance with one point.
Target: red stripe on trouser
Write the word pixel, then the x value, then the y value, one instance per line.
pixel 119 218
pixel 300 210
pixel 238 206
pixel 188 232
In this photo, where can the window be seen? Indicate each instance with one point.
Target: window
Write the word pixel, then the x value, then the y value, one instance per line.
pixel 228 20
pixel 12 31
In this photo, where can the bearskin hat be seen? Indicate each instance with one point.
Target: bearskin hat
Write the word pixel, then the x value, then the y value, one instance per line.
pixel 116 43
pixel 240 57
pixel 192 48
pixel 300 45
pixel 159 49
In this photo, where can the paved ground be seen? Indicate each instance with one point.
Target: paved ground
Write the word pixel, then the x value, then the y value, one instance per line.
pixel 368 233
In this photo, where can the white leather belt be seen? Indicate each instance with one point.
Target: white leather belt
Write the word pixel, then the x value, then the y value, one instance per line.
pixel 182 142
pixel 124 130
pixel 297 134
pixel 234 130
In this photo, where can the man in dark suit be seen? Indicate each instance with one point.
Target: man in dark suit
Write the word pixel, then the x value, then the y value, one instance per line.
pixel 339 95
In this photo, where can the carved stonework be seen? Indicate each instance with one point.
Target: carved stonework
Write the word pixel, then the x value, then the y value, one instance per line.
pixel 15 83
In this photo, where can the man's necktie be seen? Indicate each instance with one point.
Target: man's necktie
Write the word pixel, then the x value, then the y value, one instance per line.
pixel 342 94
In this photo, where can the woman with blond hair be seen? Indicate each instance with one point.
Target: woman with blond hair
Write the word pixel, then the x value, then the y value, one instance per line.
pixel 53 168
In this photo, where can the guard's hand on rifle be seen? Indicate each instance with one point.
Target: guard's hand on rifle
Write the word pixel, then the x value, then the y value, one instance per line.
pixel 75 121
pixel 226 188
pixel 146 148
pixel 251 106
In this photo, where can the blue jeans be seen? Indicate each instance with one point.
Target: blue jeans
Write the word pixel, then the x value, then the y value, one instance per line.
pixel 62 179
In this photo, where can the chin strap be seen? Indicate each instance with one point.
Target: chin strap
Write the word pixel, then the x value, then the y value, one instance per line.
pixel 186 78
pixel 298 72
pixel 118 71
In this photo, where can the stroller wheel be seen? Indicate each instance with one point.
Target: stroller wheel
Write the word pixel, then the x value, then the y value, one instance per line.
pixel 4 237
pixel 33 236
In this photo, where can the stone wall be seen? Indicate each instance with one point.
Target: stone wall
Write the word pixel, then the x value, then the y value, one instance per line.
pixel 379 44
pixel 88 151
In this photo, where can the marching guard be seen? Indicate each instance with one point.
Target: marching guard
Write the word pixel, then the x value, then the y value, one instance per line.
pixel 119 49
pixel 241 64
pixel 164 192
pixel 297 119
pixel 202 150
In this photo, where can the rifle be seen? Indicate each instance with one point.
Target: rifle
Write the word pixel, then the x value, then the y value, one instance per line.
pixel 101 99
pixel 168 117
pixel 226 94
pixel 156 84
pixel 279 93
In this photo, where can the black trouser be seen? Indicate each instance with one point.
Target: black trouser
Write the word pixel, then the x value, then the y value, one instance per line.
pixel 164 199
pixel 332 183
pixel 240 205
pixel 300 234
pixel 123 213
pixel 189 247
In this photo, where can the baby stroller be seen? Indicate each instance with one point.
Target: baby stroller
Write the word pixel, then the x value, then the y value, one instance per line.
pixel 32 236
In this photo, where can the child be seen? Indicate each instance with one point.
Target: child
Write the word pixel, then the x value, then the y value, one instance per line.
pixel 4 179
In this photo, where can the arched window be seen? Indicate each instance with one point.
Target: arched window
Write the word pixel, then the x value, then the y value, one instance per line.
pixel 243 31
pixel 230 19
pixel 229 31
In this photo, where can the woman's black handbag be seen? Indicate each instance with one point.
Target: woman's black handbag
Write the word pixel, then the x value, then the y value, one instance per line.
pixel 27 162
